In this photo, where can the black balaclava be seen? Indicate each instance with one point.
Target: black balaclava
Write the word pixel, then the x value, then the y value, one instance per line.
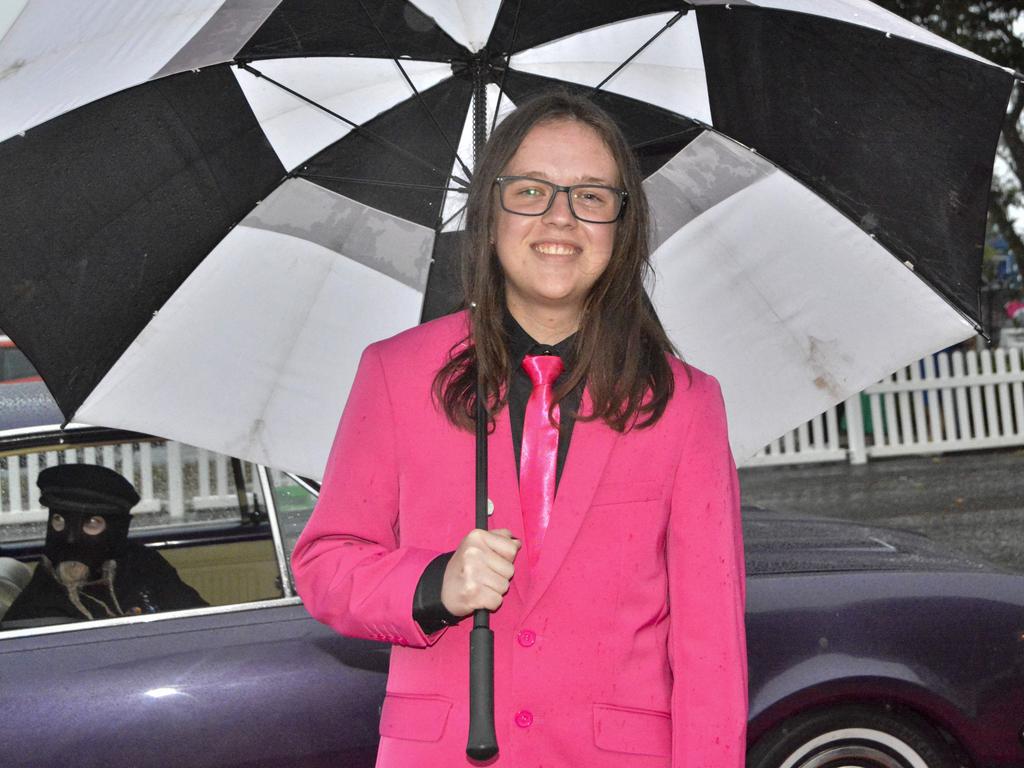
pixel 76 494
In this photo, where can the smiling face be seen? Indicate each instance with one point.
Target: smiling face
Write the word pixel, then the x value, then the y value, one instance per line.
pixel 552 261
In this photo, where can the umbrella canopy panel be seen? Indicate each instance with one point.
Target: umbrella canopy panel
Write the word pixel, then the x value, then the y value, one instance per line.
pixel 293 302
pixel 710 202
pixel 116 204
pixel 863 146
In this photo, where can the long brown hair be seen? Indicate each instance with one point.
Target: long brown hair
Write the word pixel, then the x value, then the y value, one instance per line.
pixel 620 348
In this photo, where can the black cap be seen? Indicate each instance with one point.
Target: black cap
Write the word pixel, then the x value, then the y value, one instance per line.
pixel 86 487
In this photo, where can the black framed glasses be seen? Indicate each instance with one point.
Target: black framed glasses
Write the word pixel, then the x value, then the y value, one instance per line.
pixel 594 203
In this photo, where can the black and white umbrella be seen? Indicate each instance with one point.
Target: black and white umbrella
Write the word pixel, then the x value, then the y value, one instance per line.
pixel 209 207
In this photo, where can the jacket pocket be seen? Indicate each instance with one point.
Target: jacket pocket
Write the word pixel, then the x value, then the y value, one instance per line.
pixel 636 731
pixel 625 493
pixel 416 717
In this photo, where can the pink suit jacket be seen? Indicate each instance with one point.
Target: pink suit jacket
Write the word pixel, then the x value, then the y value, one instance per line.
pixel 624 647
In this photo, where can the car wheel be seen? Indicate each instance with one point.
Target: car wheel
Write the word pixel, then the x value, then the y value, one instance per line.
pixel 852 735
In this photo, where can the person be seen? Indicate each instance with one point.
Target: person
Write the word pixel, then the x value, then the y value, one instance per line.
pixel 617 602
pixel 89 569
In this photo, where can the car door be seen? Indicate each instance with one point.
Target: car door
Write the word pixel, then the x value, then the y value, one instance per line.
pixel 249 680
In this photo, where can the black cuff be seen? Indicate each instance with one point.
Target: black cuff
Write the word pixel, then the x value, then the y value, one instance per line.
pixel 427 608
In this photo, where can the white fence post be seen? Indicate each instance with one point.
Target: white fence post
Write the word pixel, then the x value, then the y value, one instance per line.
pixel 978 429
pixel 948 404
pixel 175 480
pixel 1018 388
pixel 221 471
pixel 963 419
pixel 31 475
pixel 128 463
pixel 14 482
pixel 108 457
pixel 1005 411
pixel 933 400
pixel 855 431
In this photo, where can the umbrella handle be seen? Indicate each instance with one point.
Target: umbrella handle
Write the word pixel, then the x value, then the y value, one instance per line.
pixel 482 743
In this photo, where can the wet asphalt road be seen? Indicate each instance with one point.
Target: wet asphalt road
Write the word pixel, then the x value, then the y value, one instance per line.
pixel 973 502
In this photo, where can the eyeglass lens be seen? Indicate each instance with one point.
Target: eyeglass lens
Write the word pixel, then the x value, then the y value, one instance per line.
pixel 532 197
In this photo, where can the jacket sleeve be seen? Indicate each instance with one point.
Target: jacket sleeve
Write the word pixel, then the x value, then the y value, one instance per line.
pixel 707 646
pixel 349 567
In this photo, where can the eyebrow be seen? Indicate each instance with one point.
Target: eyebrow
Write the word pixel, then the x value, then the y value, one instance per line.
pixel 585 180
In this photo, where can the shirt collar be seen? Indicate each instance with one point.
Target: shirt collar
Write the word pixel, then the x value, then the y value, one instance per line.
pixel 521 344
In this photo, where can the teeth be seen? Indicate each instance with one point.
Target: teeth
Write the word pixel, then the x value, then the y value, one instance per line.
pixel 555 250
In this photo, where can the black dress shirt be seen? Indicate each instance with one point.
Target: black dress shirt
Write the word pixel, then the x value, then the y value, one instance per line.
pixel 428 610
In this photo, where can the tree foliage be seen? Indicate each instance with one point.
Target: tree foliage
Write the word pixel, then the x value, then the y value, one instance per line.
pixel 986 27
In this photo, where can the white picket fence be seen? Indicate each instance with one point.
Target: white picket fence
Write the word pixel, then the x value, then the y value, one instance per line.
pixel 945 402
pixel 169 477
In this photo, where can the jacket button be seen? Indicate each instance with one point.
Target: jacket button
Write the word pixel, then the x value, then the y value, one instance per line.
pixel 524 718
pixel 527 637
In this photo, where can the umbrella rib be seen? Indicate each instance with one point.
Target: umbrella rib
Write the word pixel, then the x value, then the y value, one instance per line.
pixel 508 63
pixel 451 218
pixel 355 126
pixel 415 90
pixel 658 139
pixel 380 182
pixel 640 50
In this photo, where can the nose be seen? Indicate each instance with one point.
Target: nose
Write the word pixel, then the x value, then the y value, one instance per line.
pixel 560 212
pixel 72 534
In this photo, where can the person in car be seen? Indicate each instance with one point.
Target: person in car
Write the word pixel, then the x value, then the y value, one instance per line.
pixel 89 569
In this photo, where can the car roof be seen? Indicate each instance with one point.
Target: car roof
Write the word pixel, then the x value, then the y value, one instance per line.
pixel 27 404
pixel 780 542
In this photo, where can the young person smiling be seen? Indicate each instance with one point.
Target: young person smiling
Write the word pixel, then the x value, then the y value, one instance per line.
pixel 619 636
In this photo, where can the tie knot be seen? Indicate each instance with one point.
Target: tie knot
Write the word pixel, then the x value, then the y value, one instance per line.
pixel 543 369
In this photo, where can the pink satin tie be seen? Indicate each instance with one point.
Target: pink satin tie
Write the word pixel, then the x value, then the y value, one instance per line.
pixel 538 457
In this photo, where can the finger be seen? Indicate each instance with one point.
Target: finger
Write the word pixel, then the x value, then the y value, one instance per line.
pixel 505 533
pixel 496 534
pixel 500 565
pixel 477 575
pixel 472 564
pixel 492 580
pixel 490 600
pixel 505 547
pixel 473 593
pixel 475 544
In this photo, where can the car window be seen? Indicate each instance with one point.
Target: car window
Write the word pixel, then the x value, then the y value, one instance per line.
pixel 14 366
pixel 294 499
pixel 199 536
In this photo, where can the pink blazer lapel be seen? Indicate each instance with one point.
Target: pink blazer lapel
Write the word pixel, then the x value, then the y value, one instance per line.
pixel 592 443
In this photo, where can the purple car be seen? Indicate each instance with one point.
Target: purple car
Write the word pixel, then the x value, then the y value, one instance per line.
pixel 868 647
